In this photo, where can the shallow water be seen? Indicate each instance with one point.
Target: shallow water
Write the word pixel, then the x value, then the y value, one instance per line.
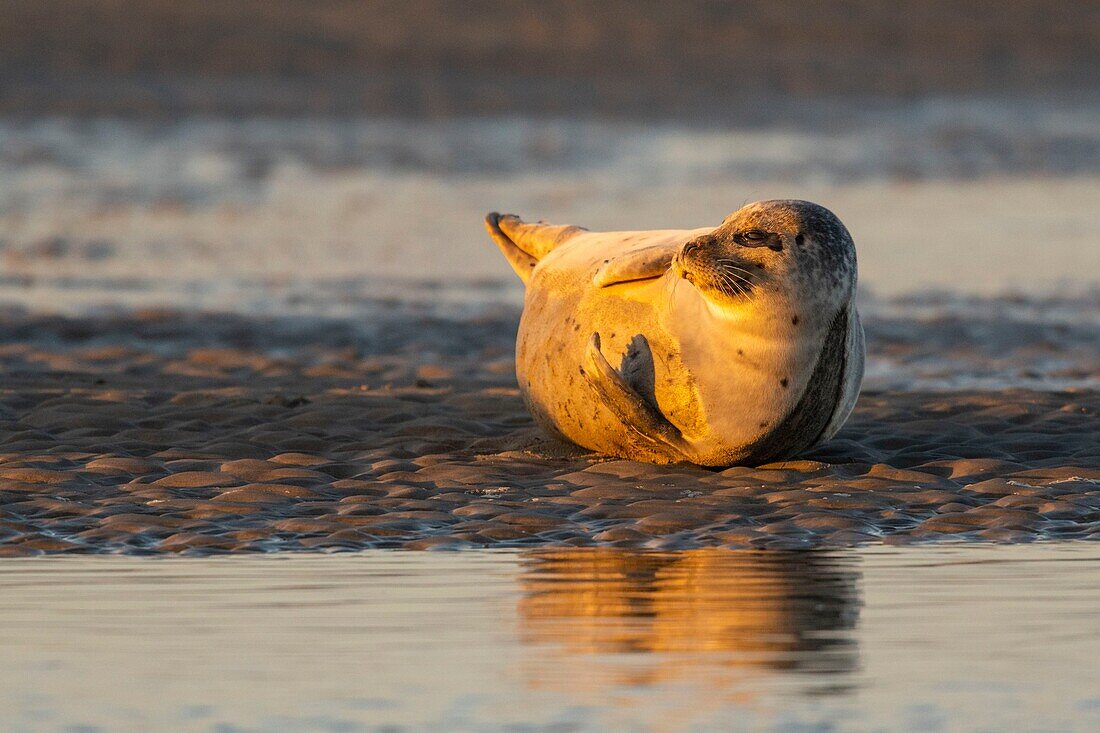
pixel 981 198
pixel 948 638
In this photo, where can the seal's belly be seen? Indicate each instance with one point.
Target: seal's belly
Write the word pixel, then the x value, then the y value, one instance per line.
pixel 708 384
pixel 553 335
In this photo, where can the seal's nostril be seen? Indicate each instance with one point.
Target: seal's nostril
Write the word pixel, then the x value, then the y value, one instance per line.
pixel 691 247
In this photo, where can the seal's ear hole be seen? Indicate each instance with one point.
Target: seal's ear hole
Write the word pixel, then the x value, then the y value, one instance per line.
pixel 799 239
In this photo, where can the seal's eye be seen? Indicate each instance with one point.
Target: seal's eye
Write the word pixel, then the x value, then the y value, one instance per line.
pixel 757 238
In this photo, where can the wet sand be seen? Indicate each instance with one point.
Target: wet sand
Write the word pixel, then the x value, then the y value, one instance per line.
pixel 164 432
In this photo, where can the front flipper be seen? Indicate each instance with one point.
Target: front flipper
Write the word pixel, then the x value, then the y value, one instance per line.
pixel 645 420
pixel 641 264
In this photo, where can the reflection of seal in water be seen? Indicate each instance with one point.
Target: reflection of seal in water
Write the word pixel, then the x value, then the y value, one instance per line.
pixel 758 356
pixel 756 612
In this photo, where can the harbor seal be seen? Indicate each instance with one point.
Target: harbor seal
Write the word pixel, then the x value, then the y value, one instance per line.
pixel 739 344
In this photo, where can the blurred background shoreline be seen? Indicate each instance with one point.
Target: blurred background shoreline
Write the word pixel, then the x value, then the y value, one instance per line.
pixel 696 61
pixel 145 145
pixel 282 139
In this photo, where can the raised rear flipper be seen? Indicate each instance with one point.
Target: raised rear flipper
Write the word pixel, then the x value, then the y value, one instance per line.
pixel 524 244
pixel 652 429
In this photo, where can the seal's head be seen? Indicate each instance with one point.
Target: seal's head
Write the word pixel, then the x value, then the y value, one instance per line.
pixel 773 249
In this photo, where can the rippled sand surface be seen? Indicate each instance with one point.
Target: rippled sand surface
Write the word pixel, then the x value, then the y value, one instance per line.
pixel 167 432
pixel 951 639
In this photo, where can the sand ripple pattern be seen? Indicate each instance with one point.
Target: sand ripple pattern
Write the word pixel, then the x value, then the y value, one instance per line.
pixel 156 432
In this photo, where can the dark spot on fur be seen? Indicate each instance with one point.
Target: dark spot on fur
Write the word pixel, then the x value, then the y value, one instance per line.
pixel 740 352
pixel 764 424
pixel 799 240
pixel 794 321
pixel 784 381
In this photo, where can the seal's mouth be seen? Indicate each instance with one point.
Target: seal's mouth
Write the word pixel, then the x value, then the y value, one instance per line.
pixel 721 277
